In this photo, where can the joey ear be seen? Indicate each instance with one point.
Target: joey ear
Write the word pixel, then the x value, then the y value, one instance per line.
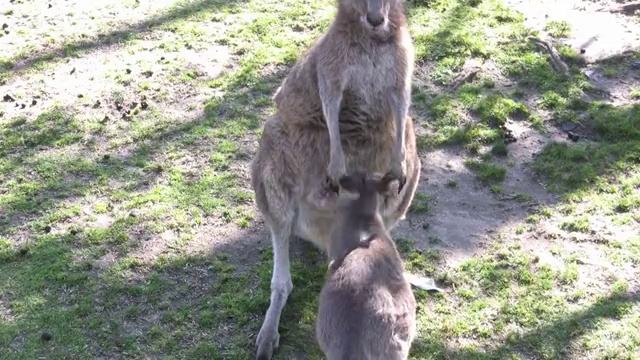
pixel 383 184
pixel 349 183
pixel 354 182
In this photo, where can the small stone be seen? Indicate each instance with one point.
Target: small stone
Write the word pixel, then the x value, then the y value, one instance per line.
pixel 72 71
pixel 144 105
pixel 46 336
pixel 162 58
pixel 8 98
pixel 4 26
pixel 47 229
pixel 22 106
pixel 128 71
pixel 80 96
pixel 34 102
pixel 573 136
pixel 568 126
pixel 50 6
pixel 582 51
pixel 589 73
pixel 147 73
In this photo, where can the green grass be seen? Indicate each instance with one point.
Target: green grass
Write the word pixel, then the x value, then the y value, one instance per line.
pixel 603 173
pixel 580 224
pixel 510 305
pixel 487 171
pixel 421 203
pixel 559 29
pixel 125 235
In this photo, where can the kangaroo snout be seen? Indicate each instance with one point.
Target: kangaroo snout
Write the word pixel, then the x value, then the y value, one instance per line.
pixel 375 18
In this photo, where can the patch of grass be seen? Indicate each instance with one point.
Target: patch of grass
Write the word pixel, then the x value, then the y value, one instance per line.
pixel 579 224
pixel 533 219
pixel 570 274
pixel 572 168
pixel 495 108
pixel 487 171
pixel 404 245
pixel 421 203
pixel 458 39
pixel 610 71
pixel 628 251
pixel 500 149
pixel 627 203
pixel 546 212
pixel 558 29
pixel 52 129
pixel 508 295
pixel 599 173
pixel 552 100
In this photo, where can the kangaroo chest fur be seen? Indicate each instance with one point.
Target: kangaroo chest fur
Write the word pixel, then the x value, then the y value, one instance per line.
pixel 373 74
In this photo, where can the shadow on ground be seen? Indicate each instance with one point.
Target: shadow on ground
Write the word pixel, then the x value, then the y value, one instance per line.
pixel 520 97
pixel 554 340
pixel 123 34
pixel 49 161
pixel 198 305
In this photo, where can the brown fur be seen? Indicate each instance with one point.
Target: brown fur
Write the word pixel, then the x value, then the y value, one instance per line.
pixel 352 81
pixel 366 309
pixel 289 171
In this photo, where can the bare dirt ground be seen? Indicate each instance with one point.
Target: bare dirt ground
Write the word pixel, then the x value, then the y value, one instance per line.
pixel 469 216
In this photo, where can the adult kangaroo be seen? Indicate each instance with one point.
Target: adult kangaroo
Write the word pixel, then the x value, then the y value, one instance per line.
pixel 344 105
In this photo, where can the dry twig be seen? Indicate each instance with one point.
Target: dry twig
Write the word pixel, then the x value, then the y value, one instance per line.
pixel 556 60
pixel 469 70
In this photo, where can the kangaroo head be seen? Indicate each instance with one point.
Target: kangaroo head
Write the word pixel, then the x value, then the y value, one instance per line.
pixel 373 15
pixel 367 190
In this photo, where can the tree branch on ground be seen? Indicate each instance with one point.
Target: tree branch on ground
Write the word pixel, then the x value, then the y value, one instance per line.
pixel 554 55
pixel 621 8
pixel 469 70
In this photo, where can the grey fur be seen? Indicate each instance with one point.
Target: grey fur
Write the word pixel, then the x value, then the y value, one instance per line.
pixel 361 76
pixel 354 72
pixel 367 309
